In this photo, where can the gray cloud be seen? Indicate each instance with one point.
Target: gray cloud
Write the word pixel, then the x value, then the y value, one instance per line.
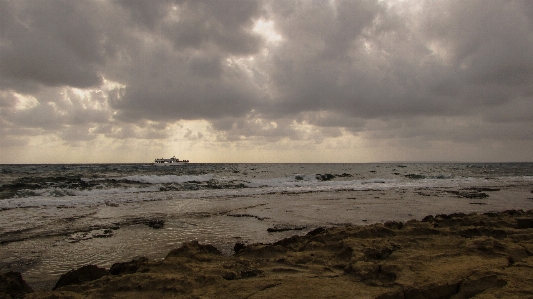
pixel 53 43
pixel 429 70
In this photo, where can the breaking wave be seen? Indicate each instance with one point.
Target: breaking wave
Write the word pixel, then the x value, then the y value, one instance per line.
pixel 166 179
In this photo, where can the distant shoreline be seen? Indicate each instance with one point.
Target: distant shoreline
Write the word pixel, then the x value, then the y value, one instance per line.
pixel 191 163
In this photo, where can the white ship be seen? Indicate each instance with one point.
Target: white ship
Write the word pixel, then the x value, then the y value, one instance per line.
pixel 170 162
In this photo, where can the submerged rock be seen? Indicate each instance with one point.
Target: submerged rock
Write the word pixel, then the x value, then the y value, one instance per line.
pixel 282 228
pixel 325 177
pixel 415 176
pixel 155 223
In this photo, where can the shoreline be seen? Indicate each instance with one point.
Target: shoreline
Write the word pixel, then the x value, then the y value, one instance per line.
pixel 440 256
pixel 223 222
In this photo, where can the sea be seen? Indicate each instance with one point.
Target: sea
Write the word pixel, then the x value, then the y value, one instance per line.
pixel 54 218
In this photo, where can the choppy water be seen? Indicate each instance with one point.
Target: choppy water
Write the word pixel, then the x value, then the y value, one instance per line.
pixel 57 217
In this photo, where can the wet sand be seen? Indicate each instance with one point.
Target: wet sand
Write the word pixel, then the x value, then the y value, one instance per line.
pixel 457 255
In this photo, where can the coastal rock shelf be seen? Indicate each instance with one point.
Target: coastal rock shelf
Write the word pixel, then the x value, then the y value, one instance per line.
pixel 486 255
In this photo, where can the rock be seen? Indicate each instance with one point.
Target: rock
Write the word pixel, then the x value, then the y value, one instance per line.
pixel 282 228
pixel 484 189
pixel 241 273
pixel 13 285
pixel 81 275
pixel 448 256
pixel 345 175
pixel 522 223
pixel 128 267
pixel 478 283
pixel 478 232
pixel 393 224
pixel 470 194
pixel 316 231
pixel 194 250
pixel 428 218
pixel 105 233
pixel 155 223
pixel 363 270
pixel 324 177
pixel 415 176
pixel 238 247
pixel 433 291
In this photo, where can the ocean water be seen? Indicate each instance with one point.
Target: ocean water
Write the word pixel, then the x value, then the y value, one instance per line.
pixel 54 218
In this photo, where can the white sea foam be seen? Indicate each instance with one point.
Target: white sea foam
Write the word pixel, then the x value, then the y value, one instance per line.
pixel 166 179
pixel 84 198
pixel 158 179
pixel 50 197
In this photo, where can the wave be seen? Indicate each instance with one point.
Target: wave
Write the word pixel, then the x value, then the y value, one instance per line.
pixel 167 179
pixel 139 188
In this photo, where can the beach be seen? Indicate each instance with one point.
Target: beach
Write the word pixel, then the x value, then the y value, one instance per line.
pixel 456 255
pixel 105 214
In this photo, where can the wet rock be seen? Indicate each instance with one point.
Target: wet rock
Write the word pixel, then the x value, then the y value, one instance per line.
pixel 291 242
pixel 299 177
pixel 469 194
pixel 344 175
pixel 484 189
pixel 106 233
pixel 194 250
pixel 316 231
pixel 238 247
pixel 415 176
pixel 247 215
pixel 428 218
pixel 155 223
pixel 324 177
pixel 128 267
pixel 81 275
pixel 282 228
pixel 12 285
pixel 393 224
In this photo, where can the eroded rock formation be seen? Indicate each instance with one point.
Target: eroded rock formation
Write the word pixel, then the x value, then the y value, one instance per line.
pixel 443 256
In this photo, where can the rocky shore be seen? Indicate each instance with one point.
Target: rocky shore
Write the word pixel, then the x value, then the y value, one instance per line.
pixel 486 255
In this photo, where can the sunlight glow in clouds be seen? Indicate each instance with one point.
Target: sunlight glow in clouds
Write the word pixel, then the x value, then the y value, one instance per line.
pixel 266 81
pixel 266 29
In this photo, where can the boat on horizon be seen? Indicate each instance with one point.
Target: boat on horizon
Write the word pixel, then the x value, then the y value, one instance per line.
pixel 170 162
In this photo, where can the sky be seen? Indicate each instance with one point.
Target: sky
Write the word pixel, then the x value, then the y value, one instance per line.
pixel 101 81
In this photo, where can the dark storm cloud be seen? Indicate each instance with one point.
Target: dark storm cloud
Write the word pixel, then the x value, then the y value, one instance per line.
pixel 177 64
pixel 343 66
pixel 393 70
pixel 52 42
